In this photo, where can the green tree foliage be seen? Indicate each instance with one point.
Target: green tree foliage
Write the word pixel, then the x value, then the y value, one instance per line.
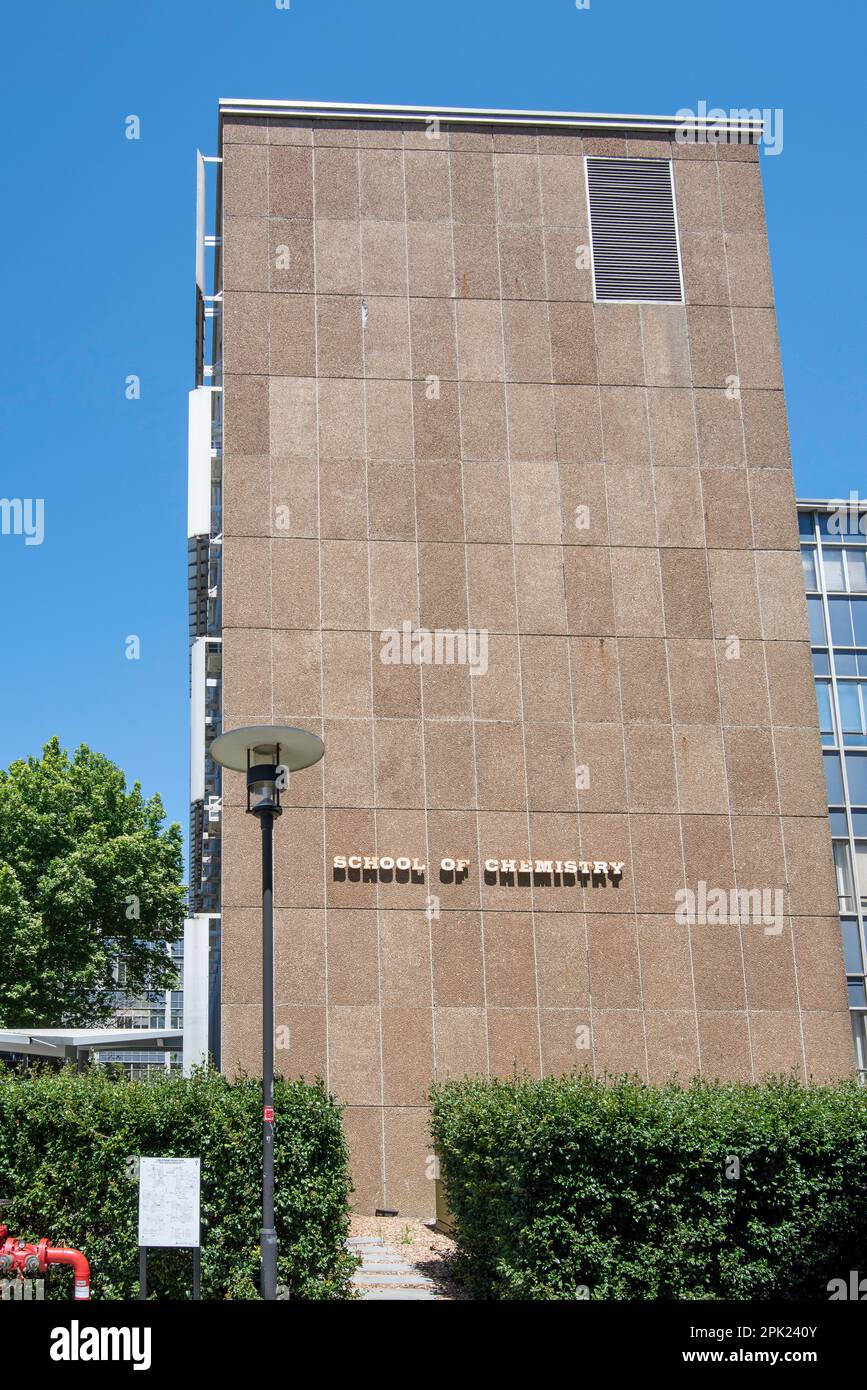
pixel 88 872
pixel 577 1188
pixel 68 1172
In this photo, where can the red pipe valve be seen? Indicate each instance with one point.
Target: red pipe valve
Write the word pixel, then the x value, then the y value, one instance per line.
pixel 17 1257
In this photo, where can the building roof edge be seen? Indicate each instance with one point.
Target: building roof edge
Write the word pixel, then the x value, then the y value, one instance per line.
pixel 737 121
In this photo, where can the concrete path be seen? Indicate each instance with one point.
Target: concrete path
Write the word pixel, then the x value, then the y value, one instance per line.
pixel 383 1273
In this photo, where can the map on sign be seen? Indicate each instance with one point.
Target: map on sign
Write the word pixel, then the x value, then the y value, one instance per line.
pixel 168 1201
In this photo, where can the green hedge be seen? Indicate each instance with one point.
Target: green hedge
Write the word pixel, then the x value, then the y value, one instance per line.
pixel 574 1188
pixel 64 1167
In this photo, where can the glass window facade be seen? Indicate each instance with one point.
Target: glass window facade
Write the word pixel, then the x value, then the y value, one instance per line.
pixel 157 1009
pixel 834 560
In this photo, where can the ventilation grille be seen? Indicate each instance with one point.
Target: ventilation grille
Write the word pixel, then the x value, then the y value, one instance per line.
pixel 634 230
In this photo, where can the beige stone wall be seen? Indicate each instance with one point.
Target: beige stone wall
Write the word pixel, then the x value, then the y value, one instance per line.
pixel 663 646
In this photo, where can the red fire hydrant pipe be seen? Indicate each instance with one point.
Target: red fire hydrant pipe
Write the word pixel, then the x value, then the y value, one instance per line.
pixel 19 1258
pixel 80 1267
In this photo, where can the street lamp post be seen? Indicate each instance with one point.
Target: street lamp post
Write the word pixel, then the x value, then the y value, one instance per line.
pixel 267 753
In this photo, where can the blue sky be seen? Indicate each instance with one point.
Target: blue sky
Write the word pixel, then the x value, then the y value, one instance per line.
pixel 97 253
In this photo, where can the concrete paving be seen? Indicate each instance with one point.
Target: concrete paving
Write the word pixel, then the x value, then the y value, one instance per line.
pixel 384 1274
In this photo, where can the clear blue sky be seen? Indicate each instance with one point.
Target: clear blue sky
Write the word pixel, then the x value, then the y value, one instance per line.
pixel 97 256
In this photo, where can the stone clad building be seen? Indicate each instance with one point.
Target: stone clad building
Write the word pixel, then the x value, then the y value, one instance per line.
pixel 500 504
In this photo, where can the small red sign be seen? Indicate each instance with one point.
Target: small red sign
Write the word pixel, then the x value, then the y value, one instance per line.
pixel 268 1114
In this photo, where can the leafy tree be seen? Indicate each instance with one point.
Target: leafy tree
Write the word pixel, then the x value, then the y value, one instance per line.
pixel 88 872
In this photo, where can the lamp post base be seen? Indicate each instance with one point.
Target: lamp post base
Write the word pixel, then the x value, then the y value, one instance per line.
pixel 268 1246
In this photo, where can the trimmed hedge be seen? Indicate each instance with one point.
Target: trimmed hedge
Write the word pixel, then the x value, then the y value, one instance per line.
pixel 64 1167
pixel 577 1188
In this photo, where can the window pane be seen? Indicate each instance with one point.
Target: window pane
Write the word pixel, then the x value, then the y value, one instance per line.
pixel 805 523
pixel 856 774
pixel 817 622
pixel 808 561
pixel 857 996
pixel 850 707
pixel 821 664
pixel 823 700
pixel 859 822
pixel 856 563
pixel 861 867
pixel 841 622
pixel 845 663
pixel 859 621
pixel 859 1032
pixel 851 946
pixel 833 778
pixel 838 823
pixel 832 562
pixel 843 870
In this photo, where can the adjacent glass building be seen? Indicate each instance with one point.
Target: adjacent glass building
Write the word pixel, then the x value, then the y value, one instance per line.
pixel 155 1009
pixel 834 556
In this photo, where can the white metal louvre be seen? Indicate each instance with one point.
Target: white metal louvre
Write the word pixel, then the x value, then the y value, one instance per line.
pixel 633 228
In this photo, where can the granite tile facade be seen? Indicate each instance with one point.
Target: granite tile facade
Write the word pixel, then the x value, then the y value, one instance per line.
pixel 429 422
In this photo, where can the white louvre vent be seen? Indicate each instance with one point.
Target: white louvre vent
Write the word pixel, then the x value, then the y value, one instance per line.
pixel 633 229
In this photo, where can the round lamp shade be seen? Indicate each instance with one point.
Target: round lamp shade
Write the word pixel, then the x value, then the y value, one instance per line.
pixel 258 743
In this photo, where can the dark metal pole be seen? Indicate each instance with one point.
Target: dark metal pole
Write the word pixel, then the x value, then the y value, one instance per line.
pixel 269 1233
